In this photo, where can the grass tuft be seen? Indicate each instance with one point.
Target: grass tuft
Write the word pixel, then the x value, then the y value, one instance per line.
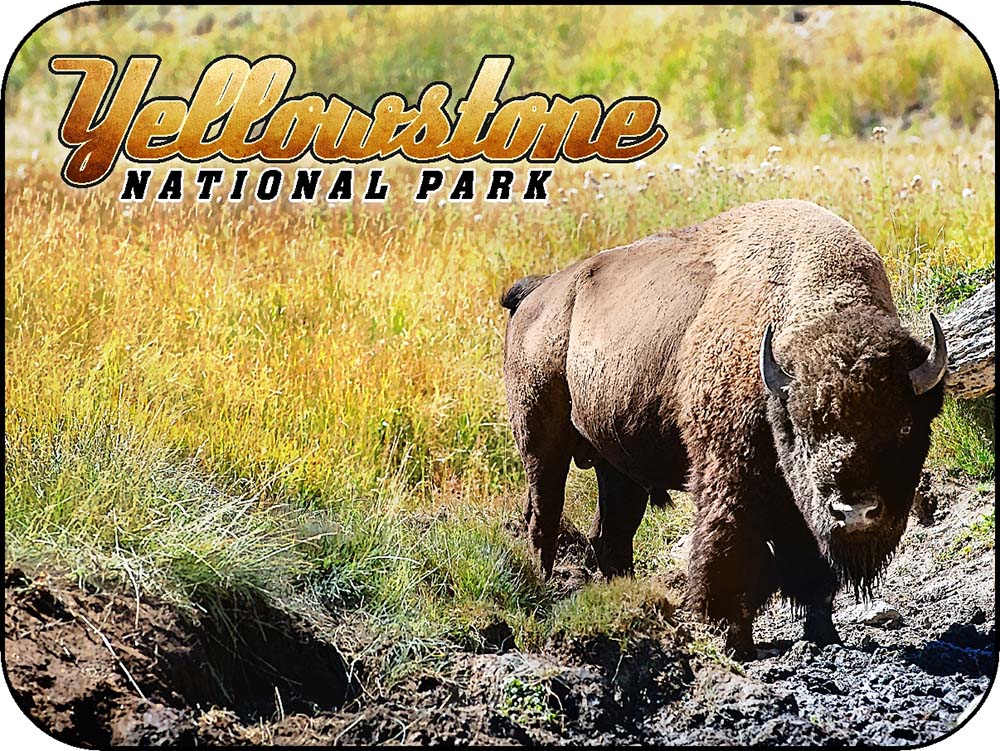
pixel 964 438
pixel 623 609
pixel 977 537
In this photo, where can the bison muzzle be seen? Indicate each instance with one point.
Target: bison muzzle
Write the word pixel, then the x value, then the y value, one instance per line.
pixel 756 360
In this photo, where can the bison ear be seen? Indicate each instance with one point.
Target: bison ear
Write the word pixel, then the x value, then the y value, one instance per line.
pixel 773 375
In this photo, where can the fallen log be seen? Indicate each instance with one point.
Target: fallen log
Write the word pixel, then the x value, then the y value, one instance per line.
pixel 970 331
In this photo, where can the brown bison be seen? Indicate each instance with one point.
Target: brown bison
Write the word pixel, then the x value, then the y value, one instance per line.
pixel 655 363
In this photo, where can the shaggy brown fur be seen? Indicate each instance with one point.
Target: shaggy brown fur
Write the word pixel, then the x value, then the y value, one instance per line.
pixel 642 362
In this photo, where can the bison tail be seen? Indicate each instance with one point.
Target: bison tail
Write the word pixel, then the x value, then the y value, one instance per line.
pixel 520 290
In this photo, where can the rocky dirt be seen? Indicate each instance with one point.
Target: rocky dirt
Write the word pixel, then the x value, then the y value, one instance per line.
pixel 912 661
pixel 93 668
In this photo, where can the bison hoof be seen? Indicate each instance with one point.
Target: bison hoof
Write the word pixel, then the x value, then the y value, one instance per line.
pixel 612 560
pixel 739 643
pixel 821 633
pixel 742 653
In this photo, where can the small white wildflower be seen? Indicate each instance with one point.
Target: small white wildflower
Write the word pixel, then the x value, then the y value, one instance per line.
pixel 968 193
pixel 935 185
pixel 916 182
pixel 817 169
pixel 599 197
pixel 477 217
pixel 878 134
pixel 650 175
pixel 774 150
pixel 676 167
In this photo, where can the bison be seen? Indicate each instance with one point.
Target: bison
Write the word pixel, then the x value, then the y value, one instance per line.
pixel 756 360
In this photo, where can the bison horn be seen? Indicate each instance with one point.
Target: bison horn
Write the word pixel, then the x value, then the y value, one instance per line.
pixel 930 372
pixel 775 378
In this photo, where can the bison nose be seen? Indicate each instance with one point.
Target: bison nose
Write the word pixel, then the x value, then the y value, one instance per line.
pixel 853 517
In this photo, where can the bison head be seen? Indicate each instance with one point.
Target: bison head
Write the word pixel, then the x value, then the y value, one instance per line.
pixel 850 407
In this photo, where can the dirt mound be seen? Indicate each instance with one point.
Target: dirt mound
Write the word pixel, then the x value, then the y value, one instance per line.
pixel 96 668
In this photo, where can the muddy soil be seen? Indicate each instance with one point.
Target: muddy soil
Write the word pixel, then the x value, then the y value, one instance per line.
pixel 912 661
pixel 94 668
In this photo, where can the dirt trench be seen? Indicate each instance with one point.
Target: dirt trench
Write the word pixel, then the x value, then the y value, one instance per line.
pixel 95 668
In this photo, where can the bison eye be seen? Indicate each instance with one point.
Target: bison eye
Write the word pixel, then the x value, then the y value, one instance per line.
pixel 905 429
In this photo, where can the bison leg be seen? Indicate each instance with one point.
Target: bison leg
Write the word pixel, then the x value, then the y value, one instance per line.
pixel 731 573
pixel 806 578
pixel 539 405
pixel 543 506
pixel 621 504
pixel 819 627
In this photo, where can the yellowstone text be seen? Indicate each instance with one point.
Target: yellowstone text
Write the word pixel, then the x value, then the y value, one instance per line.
pixel 239 111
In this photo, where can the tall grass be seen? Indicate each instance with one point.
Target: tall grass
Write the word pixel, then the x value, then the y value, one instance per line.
pixel 302 399
pixel 840 70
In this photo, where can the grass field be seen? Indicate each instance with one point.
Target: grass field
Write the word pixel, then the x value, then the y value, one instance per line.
pixel 305 402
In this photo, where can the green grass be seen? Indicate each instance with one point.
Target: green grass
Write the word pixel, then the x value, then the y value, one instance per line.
pixel 964 438
pixel 977 537
pixel 528 702
pixel 950 285
pixel 623 609
pixel 103 499
pixel 706 648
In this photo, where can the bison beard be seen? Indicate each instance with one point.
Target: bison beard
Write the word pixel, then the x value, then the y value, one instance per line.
pixel 643 361
pixel 860 564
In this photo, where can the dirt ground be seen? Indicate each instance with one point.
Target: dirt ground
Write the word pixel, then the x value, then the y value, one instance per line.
pixel 94 668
